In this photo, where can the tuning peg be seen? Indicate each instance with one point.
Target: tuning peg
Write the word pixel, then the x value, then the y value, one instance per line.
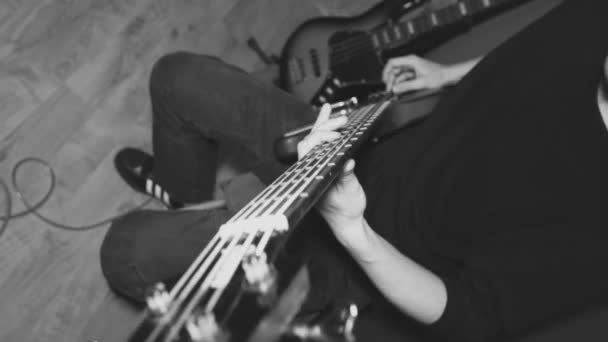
pixel 260 276
pixel 202 327
pixel 158 299
pixel 337 326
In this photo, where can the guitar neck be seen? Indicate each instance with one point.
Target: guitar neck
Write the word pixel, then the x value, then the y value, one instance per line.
pixel 395 34
pixel 298 188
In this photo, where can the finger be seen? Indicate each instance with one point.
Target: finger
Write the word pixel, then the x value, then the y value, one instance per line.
pixel 390 68
pixel 390 82
pixel 407 75
pixel 410 61
pixel 348 174
pixel 318 137
pixel 403 75
pixel 333 123
pixel 349 167
pixel 323 115
pixel 386 70
pixel 415 84
pixel 313 139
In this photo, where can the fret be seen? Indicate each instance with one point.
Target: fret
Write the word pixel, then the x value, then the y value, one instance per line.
pixel 397 32
pixel 423 24
pixel 242 212
pixel 375 40
pixel 434 20
pixel 285 190
pixel 276 189
pixel 442 16
pixel 385 37
pixel 453 12
pixel 278 207
pixel 264 193
pixel 448 15
pixel 289 189
pixel 410 28
pixel 475 6
pixel 249 215
pixel 268 206
pixel 463 8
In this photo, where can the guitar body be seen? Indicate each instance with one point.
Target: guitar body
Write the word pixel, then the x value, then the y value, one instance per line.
pixel 306 68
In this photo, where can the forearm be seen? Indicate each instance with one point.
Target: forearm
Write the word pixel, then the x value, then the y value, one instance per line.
pixel 412 288
pixel 455 72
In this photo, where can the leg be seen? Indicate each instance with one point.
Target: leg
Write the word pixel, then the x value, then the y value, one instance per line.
pixel 147 247
pixel 198 102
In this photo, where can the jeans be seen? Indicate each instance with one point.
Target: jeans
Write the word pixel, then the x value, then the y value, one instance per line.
pixel 199 102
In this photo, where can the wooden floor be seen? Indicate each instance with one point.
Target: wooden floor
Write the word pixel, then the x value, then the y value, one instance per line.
pixel 73 90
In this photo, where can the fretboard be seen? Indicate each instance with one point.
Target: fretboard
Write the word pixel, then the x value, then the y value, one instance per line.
pixel 297 189
pixel 395 34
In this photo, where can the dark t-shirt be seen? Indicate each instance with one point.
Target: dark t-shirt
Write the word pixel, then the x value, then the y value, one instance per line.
pixel 503 191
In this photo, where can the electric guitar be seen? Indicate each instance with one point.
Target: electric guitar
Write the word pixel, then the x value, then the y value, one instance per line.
pixel 331 59
pixel 240 287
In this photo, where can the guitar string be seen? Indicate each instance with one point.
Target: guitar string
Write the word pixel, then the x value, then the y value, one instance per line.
pixel 218 293
pixel 272 187
pixel 207 282
pixel 175 305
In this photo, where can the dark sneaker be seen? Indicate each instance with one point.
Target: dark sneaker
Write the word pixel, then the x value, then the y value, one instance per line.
pixel 136 169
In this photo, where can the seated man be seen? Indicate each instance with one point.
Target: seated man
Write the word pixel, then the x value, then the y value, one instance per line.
pixel 487 220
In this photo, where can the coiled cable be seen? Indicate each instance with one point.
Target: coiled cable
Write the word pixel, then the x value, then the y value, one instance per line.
pixel 33 208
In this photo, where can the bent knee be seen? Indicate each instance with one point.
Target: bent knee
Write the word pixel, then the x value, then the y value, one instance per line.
pixel 182 69
pixel 118 260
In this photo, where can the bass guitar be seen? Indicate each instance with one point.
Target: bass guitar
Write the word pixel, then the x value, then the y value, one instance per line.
pixel 331 59
pixel 240 287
